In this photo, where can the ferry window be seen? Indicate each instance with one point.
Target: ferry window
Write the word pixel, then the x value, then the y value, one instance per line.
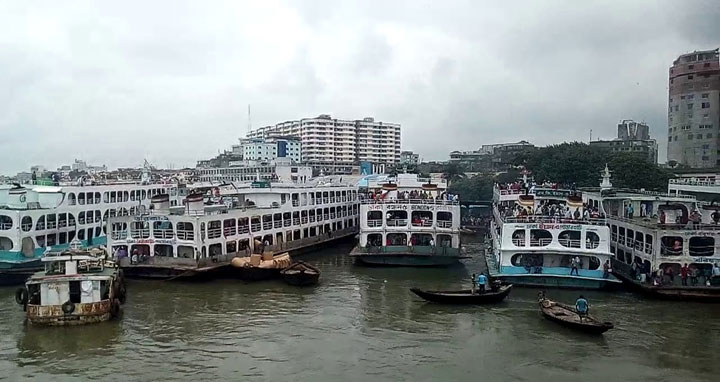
pixel 163 230
pixel 231 247
pixel 702 246
pixel 396 239
pixel 229 228
pixel 6 244
pixel 97 198
pixel 26 223
pixel 593 263
pixel 639 240
pixel 444 219
pixel 106 197
pixel 143 194
pixel 540 238
pixel 296 234
pixel 397 218
pixel 80 235
pixel 671 246
pixel 74 287
pixel 40 224
pixel 97 231
pixel 630 237
pixel 81 198
pixel 71 236
pixel 89 198
pixel 268 239
pixel 214 229
pixel 71 199
pixel 621 235
pixel 185 252
pixel 664 268
pixel 531 261
pixel 374 219
pixel 132 195
pixel 81 217
pixel 163 250
pixel 421 239
pixel 89 217
pixel 570 239
pixel 422 218
pixel 142 250
pixel 592 240
pixel 6 222
pixel 444 241
pixel 98 216
pixel 140 230
pixel 126 196
pixel 518 238
pixel 648 243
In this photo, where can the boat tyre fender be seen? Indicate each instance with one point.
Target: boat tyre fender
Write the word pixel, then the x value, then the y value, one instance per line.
pixel 21 296
pixel 68 307
pixel 115 308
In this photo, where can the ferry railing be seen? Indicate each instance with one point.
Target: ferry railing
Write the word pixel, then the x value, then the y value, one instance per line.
pixel 163 234
pixel 374 223
pixel 255 227
pixel 654 223
pixel 552 220
pixel 397 222
pixel 332 200
pixel 648 248
pixel 319 217
pixel 410 201
pixel 119 235
pixel 296 221
pixel 326 200
pixel 28 227
pixel 444 223
pixel 140 233
pixel 267 225
pixel 312 219
pixel 592 244
pixel 214 233
pixel 425 223
pixel 287 223
pixel 569 243
pixel 229 231
pixel 326 216
pixel 62 223
pixel 277 224
pixel 332 216
pixel 243 229
pixel 304 220
pixel 7 226
pixel 518 242
pixel 540 242
pixel 51 225
pixel 295 203
pixel 613 237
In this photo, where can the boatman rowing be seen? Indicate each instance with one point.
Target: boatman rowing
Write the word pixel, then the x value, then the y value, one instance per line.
pixel 582 307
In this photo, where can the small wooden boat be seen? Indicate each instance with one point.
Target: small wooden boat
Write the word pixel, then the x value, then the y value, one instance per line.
pixel 464 296
pixel 567 316
pixel 300 274
pixel 258 267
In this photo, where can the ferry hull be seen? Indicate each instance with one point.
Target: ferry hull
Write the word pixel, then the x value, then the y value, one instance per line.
pixel 53 315
pixel 674 293
pixel 551 281
pixel 408 258
pixel 17 274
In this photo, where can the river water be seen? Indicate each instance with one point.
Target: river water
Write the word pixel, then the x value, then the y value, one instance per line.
pixel 360 324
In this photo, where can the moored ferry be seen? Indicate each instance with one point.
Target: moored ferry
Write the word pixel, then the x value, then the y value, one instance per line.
pixel 654 236
pixel 547 237
pixel 408 221
pixel 34 218
pixel 76 287
pixel 201 238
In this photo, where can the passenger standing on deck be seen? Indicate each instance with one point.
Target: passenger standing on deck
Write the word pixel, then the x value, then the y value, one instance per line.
pixel 631 211
pixel 482 282
pixel 576 214
pixel 606 269
pixel 662 218
pixel 573 266
pixel 695 218
pixel 582 307
pixel 472 281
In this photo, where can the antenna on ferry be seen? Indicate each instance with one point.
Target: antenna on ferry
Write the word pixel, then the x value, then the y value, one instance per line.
pixel 249 127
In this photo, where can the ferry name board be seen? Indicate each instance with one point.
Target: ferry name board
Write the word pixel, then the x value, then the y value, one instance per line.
pixel 151 218
pixel 150 241
pixel 705 260
pixel 575 227
pixel 550 192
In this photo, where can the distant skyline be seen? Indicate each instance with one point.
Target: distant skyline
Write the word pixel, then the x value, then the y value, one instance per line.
pixel 170 81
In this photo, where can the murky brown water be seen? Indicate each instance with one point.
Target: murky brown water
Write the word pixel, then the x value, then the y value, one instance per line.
pixel 360 324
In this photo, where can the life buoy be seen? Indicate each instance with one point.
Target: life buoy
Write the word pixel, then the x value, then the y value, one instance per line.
pixel 21 296
pixel 115 308
pixel 68 307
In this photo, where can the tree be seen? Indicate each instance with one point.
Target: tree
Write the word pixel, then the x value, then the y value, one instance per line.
pixel 632 170
pixel 453 173
pixel 476 188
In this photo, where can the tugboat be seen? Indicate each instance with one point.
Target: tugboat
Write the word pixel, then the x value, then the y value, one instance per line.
pixel 78 286
pixel 408 221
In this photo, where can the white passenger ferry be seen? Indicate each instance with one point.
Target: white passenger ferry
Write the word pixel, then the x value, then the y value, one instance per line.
pixel 203 236
pixel 408 221
pixel 653 236
pixel 35 217
pixel 539 235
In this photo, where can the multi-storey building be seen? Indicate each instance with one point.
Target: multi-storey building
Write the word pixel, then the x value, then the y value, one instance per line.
pixel 337 146
pixel 256 149
pixel 492 157
pixel 409 158
pixel 632 137
pixel 694 110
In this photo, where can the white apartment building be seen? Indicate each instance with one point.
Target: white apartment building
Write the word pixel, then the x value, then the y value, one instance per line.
pixel 335 145
pixel 257 149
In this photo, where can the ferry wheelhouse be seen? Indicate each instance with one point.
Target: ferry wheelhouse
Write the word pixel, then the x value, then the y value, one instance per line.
pixel 408 221
pixel 203 236
pixel 537 236
pixel 36 217
pixel 76 287
pixel 654 235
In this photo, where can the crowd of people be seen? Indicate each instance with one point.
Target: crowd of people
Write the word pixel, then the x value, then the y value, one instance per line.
pixel 690 275
pixel 408 195
pixel 552 210
pixel 531 186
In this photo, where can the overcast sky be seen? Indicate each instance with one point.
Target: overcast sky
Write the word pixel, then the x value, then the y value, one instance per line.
pixel 116 82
